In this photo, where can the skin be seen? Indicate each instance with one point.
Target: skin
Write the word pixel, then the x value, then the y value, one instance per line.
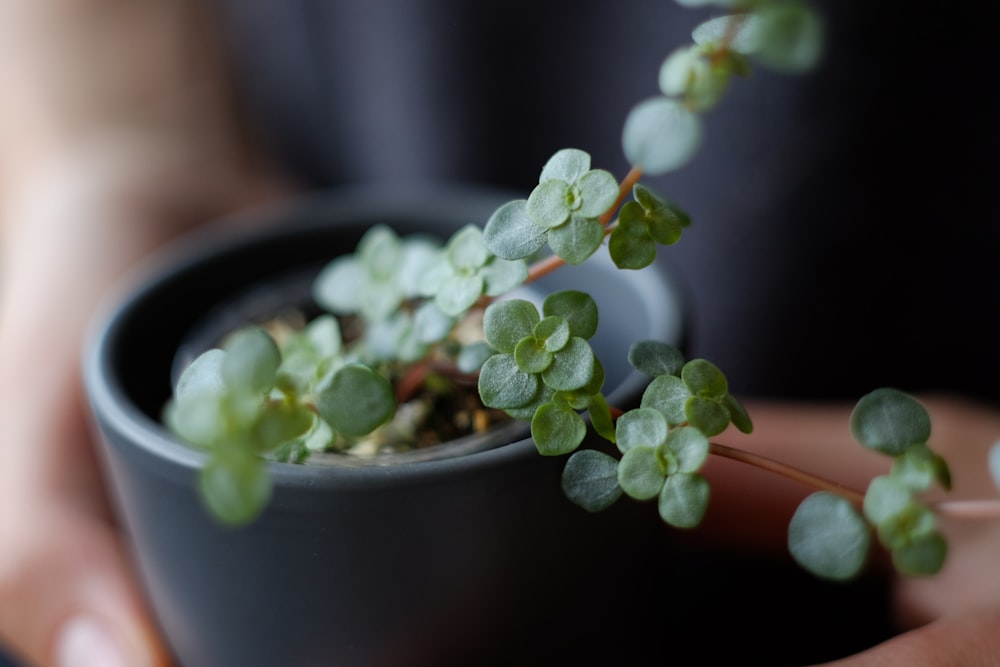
pixel 105 158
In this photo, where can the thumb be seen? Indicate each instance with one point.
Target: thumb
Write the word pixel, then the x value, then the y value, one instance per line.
pixel 66 593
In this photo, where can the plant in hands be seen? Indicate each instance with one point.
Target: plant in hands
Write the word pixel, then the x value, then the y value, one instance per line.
pixel 408 322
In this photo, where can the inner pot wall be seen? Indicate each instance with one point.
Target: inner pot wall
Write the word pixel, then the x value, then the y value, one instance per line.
pixel 415 564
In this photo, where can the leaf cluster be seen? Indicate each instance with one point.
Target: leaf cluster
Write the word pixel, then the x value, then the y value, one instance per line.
pixel 831 537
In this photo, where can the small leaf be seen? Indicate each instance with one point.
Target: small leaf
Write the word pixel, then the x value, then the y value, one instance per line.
pixel 918 468
pixel 690 448
pixel 641 427
pixel 236 486
pixel 572 367
pixel 459 293
pixel 704 378
pixel 885 498
pixel 557 430
pixel 548 205
pixel 600 417
pixel 684 500
pixel 660 135
pixel 576 240
pixel 630 245
pixel 706 415
pixel 655 358
pixel 501 276
pixel 923 557
pixel 599 190
pixel 251 361
pixel 738 414
pixel 578 309
pixel 566 165
pixel 888 421
pixel 356 401
pixel 590 480
pixel 510 234
pixel 828 537
pixel 202 377
pixel 503 385
pixel 640 474
pixel 669 395
pixel 508 321
pixel 553 333
pixel 531 356
pixel 466 250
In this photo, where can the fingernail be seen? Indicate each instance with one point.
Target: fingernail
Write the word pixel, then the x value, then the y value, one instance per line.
pixel 84 642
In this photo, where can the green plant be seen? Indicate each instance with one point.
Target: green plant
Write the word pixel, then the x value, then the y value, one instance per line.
pixel 409 316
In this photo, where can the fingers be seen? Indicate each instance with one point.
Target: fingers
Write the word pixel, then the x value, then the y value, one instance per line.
pixel 67 596
pixel 970 640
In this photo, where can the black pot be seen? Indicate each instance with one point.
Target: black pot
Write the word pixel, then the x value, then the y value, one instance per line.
pixel 433 562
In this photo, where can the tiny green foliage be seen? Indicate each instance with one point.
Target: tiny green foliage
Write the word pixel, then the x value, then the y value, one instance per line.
pixel 890 421
pixel 655 358
pixel 590 479
pixel 643 223
pixel 828 537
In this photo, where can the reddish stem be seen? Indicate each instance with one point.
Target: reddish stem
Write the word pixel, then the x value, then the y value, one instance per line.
pixel 788 471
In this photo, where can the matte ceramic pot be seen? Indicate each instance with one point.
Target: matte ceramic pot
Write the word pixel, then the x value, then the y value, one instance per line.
pixel 418 563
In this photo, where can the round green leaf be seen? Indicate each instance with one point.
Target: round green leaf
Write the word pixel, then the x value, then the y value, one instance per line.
pixel 202 377
pixel 251 361
pixel 704 378
pixel 599 190
pixel 690 448
pixel 279 422
pixel 789 39
pixel 459 293
pixel 655 358
pixel 918 468
pixel 531 355
pixel 552 332
pixel 889 421
pixel 885 498
pixel 706 415
pixel 356 401
pixel 684 500
pixel 501 276
pixel 557 430
pixel 503 385
pixel 466 250
pixel 578 309
pixel 572 367
pixel 577 239
pixel 506 322
pixel 828 537
pixel 738 414
pixel 630 245
pixel 660 135
pixel 549 204
pixel 922 557
pixel 339 285
pixel 640 474
pixel 510 234
pixel 669 395
pixel 236 486
pixel 590 480
pixel 567 165
pixel 640 427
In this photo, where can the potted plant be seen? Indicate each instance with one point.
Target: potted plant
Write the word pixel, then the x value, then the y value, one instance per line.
pixel 421 556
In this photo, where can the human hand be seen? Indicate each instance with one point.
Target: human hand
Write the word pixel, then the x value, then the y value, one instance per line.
pixel 951 618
